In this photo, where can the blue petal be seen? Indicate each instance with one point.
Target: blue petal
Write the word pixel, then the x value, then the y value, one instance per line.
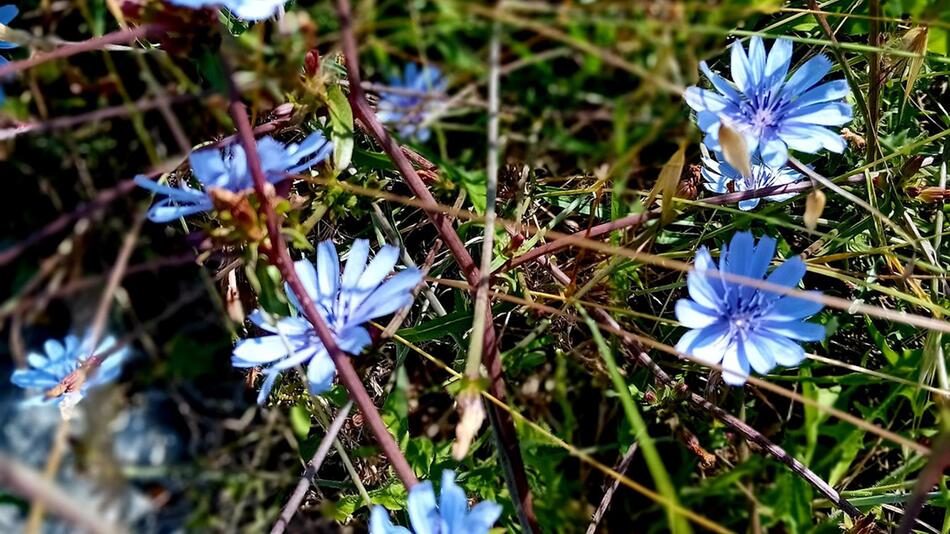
pixel 719 83
pixel 483 516
pixel 320 373
pixel 259 350
pixel 707 345
pixel 266 386
pixel 453 505
pixel 786 352
pixel 811 138
pixel 757 62
pixel 379 523
pixel 7 13
pixel 773 150
pixel 208 167
pixel 54 349
pixel 308 278
pixel 704 288
pixel 800 330
pixel 354 339
pixel 822 113
pixel 705 100
pixel 165 210
pixel 423 512
pixel 328 271
pixel 300 354
pixel 789 308
pixel 776 68
pixel 290 326
pixel 380 267
pixel 825 92
pixel 735 368
pixel 740 68
pixel 253 10
pixel 36 359
pixel 394 294
pixel 806 76
pixel 355 263
pixel 788 274
pixel 692 315
pixel 28 379
pixel 757 355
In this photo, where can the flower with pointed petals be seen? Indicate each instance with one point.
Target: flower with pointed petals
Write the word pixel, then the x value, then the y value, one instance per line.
pixel 227 169
pixel 774 112
pixel 252 10
pixel 449 516
pixel 739 325
pixel 7 13
pixel 720 177
pixel 346 302
pixel 48 368
pixel 409 108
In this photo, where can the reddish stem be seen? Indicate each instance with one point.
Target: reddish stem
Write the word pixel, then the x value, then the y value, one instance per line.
pixel 89 45
pixel 501 420
pixel 280 257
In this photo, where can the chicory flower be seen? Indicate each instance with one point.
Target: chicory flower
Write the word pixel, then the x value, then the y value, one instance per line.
pixel 251 10
pixel 720 177
pixel 411 107
pixel 346 302
pixel 740 326
pixel 227 169
pixel 773 111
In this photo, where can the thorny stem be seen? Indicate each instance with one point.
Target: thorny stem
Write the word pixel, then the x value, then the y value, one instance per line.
pixel 279 255
pixel 502 421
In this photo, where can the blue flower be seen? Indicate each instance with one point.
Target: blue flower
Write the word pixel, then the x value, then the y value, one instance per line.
pixel 740 325
pixel 720 177
pixel 253 10
pixel 450 516
pixel 345 302
pixel 7 13
pixel 775 112
pixel 227 169
pixel 59 359
pixel 411 109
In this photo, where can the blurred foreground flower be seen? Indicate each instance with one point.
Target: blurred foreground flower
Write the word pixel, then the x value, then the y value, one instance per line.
pixel 449 516
pixel 773 111
pixel 346 303
pixel 227 169
pixel 411 106
pixel 253 10
pixel 720 177
pixel 7 13
pixel 738 325
pixel 48 370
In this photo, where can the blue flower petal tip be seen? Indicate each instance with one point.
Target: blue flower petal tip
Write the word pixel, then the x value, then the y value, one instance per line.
pixel 250 10
pixel 447 514
pixel 346 301
pixel 742 327
pixel 773 110
pixel 410 107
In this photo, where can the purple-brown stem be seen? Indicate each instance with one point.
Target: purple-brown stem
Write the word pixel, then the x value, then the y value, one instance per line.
pixel 631 221
pixel 89 45
pixel 279 255
pixel 501 420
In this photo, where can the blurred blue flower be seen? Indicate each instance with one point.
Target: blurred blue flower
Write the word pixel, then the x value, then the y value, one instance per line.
pixel 412 106
pixel 740 325
pixel 720 177
pixel 450 516
pixel 253 10
pixel 774 112
pixel 59 359
pixel 227 169
pixel 7 13
pixel 346 303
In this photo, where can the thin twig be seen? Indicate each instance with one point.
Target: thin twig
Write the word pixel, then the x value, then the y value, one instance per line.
pixel 279 255
pixel 609 494
pixel 502 422
pixel 312 468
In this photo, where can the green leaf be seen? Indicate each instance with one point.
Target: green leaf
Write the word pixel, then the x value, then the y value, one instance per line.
pixel 300 420
pixel 341 124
